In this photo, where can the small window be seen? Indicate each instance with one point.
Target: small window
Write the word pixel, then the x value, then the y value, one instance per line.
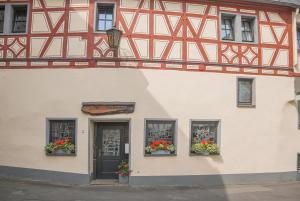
pixel 298 38
pixel 298 163
pixel 61 137
pixel 19 19
pixel 160 137
pixel 2 12
pixel 227 28
pixel 245 92
pixel 105 17
pixel 247 30
pixel 204 137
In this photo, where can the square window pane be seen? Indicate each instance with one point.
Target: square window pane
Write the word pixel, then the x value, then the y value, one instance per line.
pixel 245 91
pixel 109 16
pixel 109 25
pixel 101 25
pixel 101 16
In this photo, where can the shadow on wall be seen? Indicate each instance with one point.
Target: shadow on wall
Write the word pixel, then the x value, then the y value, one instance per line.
pixel 154 96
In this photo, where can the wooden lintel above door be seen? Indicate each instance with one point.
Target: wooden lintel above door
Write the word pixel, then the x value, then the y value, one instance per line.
pixel 108 108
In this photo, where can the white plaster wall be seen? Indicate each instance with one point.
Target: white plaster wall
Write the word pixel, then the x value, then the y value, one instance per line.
pixel 261 139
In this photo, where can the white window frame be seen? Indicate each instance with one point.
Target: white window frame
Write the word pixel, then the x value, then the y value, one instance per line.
pixel 8 18
pixel 237 28
pixel 96 14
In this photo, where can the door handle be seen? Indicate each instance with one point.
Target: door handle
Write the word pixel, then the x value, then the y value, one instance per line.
pixel 99 153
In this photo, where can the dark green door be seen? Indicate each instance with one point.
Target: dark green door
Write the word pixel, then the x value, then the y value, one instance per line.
pixel 110 148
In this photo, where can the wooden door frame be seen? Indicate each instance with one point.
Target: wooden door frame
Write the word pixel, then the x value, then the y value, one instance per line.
pixel 91 134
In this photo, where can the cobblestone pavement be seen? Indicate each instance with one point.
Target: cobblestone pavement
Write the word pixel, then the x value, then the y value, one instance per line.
pixel 32 191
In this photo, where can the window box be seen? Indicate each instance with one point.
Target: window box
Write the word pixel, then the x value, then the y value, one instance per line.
pixel 160 138
pixel 61 135
pixel 204 138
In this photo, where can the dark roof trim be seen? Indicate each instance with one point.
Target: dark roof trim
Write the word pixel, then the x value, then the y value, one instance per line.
pixel 290 3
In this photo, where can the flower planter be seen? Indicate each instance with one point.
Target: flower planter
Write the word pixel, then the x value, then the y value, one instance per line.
pixel 61 152
pixel 161 152
pixel 123 179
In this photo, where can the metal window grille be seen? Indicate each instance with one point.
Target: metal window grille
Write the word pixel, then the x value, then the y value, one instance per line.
pixel 19 19
pixel 160 130
pixel 105 17
pixel 60 129
pixel 227 28
pixel 247 30
pixel 204 130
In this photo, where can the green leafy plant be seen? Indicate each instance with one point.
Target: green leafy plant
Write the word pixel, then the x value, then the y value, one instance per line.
pixel 205 147
pixel 123 169
pixel 62 144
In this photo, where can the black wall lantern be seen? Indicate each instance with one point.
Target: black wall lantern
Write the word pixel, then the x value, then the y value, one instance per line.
pixel 114 36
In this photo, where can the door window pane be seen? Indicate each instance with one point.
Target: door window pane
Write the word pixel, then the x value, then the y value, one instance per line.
pixel 19 19
pixel 111 140
pixel 245 88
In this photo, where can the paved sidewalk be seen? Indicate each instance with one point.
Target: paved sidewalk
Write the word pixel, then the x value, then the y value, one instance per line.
pixel 28 191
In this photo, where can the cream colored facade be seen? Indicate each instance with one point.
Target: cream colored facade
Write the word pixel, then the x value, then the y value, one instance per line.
pixel 264 139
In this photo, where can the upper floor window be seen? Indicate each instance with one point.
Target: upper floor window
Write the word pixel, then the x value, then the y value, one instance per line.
pixel 228 28
pixel 247 30
pixel 13 18
pixel 105 16
pixel 2 10
pixel 19 19
pixel 239 28
pixel 298 38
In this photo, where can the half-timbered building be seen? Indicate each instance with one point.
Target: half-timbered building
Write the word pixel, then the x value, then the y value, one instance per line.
pixel 195 92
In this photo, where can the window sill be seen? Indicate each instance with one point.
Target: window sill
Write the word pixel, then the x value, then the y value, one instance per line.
pixel 239 42
pixel 162 155
pixel 246 106
pixel 61 154
pixel 210 155
pixel 13 34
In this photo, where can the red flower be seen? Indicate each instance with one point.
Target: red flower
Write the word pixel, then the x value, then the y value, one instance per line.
pixel 203 142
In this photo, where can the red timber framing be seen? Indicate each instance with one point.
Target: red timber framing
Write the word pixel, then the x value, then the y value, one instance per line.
pixel 188 26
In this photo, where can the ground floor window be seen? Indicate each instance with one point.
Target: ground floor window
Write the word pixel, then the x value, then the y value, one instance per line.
pixel 204 137
pixel 160 137
pixel 61 136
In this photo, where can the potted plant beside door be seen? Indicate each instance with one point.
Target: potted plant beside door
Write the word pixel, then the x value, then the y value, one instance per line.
pixel 123 172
